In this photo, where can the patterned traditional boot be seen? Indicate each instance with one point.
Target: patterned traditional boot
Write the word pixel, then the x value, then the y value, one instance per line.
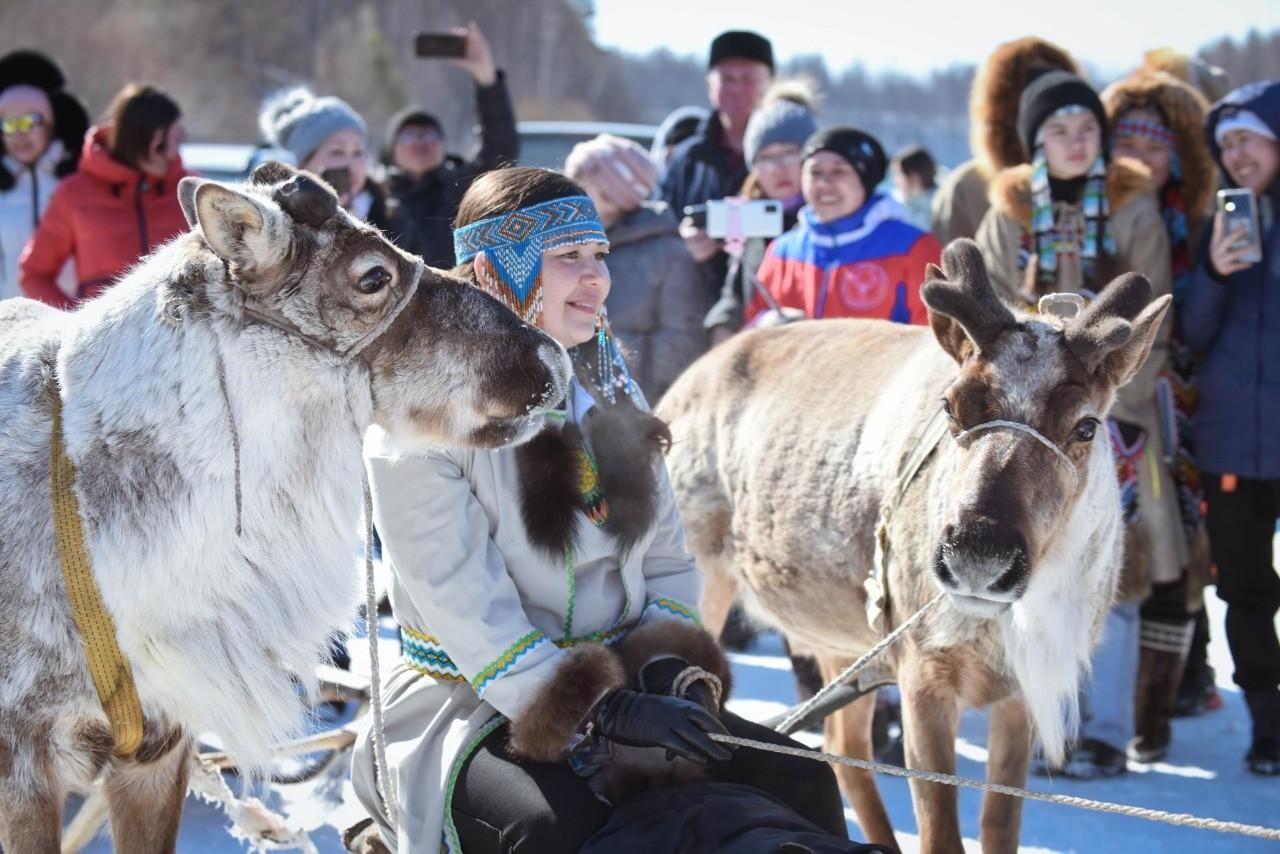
pixel 1162 659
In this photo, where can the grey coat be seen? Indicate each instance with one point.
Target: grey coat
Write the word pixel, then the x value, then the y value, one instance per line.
pixel 488 617
pixel 659 297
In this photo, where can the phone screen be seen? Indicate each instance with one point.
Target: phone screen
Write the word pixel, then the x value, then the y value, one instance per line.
pixel 1240 211
pixel 439 45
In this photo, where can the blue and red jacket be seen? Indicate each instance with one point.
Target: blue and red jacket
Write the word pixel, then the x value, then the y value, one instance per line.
pixel 870 263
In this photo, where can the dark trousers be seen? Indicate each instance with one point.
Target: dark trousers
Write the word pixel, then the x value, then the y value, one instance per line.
pixel 1242 525
pixel 508 806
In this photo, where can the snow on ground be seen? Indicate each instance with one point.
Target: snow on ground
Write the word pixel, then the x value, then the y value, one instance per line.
pixel 1204 776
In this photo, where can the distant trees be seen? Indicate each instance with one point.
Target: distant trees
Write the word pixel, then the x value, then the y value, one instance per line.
pixel 1255 58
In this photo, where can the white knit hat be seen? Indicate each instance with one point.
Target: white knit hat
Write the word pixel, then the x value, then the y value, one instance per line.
pixel 1242 120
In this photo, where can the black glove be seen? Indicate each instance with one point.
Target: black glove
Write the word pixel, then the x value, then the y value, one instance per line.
pixel 650 720
pixel 659 675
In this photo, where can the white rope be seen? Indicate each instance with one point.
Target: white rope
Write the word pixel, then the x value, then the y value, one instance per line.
pixel 382 778
pixel 853 669
pixel 1030 431
pixel 1177 819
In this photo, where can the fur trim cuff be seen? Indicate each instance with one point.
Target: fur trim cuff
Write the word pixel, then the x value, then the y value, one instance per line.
pixel 677 639
pixel 541 733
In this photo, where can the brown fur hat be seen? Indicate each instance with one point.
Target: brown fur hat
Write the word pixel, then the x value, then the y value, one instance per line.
pixel 1183 110
pixel 993 99
pixel 1010 191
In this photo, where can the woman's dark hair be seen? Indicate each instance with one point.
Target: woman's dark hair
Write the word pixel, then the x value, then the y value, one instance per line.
pixel 505 190
pixel 916 160
pixel 136 113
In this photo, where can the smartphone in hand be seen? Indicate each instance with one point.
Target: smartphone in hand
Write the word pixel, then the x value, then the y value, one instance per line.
pixel 1239 208
pixel 752 218
pixel 439 46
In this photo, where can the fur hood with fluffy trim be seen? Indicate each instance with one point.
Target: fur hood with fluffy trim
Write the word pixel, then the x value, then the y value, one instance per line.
pixel 1010 191
pixel 993 99
pixel 1183 110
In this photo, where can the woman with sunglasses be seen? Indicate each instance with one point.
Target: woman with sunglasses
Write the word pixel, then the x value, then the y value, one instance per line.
pixel 119 206
pixel 41 129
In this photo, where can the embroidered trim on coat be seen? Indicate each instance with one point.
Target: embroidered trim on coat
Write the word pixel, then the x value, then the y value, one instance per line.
pixel 506 661
pixel 424 654
pixel 679 609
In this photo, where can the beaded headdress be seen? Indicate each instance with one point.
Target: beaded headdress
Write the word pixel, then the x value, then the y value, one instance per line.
pixel 1048 240
pixel 514 242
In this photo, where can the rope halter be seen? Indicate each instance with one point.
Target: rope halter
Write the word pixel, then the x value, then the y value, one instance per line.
pixel 1031 431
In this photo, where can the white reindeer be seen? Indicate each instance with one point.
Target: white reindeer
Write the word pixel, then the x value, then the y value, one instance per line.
pixel 212 405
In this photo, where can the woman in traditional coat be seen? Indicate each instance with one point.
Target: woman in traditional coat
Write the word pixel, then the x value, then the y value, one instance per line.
pixel 548 604
pixel 1159 120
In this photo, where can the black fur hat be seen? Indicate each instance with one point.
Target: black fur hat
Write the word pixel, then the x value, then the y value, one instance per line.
pixel 70 118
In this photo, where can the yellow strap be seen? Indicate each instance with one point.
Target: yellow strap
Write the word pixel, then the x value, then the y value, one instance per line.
pixel 111 673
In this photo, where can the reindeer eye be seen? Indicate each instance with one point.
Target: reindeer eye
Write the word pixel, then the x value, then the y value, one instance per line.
pixel 1085 430
pixel 949 410
pixel 374 280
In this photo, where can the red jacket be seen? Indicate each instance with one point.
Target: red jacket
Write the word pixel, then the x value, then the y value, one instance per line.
pixel 870 263
pixel 107 216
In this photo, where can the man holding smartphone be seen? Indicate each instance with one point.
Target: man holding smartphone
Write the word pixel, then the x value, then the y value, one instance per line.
pixel 426 183
pixel 710 165
pixel 1231 314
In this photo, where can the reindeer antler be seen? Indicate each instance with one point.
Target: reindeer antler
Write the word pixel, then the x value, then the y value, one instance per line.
pixel 965 294
pixel 1107 323
pixel 307 200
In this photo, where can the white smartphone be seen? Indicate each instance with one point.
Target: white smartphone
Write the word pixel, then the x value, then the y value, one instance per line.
pixel 1240 210
pixel 755 218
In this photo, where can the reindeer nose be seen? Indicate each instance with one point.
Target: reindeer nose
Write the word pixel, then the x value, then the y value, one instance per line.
pixel 982 558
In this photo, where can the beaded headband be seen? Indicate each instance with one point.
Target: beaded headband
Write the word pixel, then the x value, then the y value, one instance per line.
pixel 514 242
pixel 1143 128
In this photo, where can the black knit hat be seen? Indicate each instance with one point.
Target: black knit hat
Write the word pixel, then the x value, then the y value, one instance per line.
pixel 741 44
pixel 862 150
pixel 1049 93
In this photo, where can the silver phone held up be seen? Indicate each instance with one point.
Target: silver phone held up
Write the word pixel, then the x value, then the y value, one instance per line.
pixel 1239 209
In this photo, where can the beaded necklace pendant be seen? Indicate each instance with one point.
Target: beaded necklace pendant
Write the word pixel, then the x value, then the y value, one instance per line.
pixel 593 501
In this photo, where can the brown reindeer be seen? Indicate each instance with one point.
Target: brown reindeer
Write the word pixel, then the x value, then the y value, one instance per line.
pixel 788 441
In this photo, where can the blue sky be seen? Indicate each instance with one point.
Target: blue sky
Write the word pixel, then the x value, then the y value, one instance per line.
pixel 914 36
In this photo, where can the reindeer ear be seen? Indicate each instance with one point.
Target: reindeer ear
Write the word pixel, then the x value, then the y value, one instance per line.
pixel 964 311
pixel 1115 333
pixel 1122 363
pixel 241 229
pixel 187 199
